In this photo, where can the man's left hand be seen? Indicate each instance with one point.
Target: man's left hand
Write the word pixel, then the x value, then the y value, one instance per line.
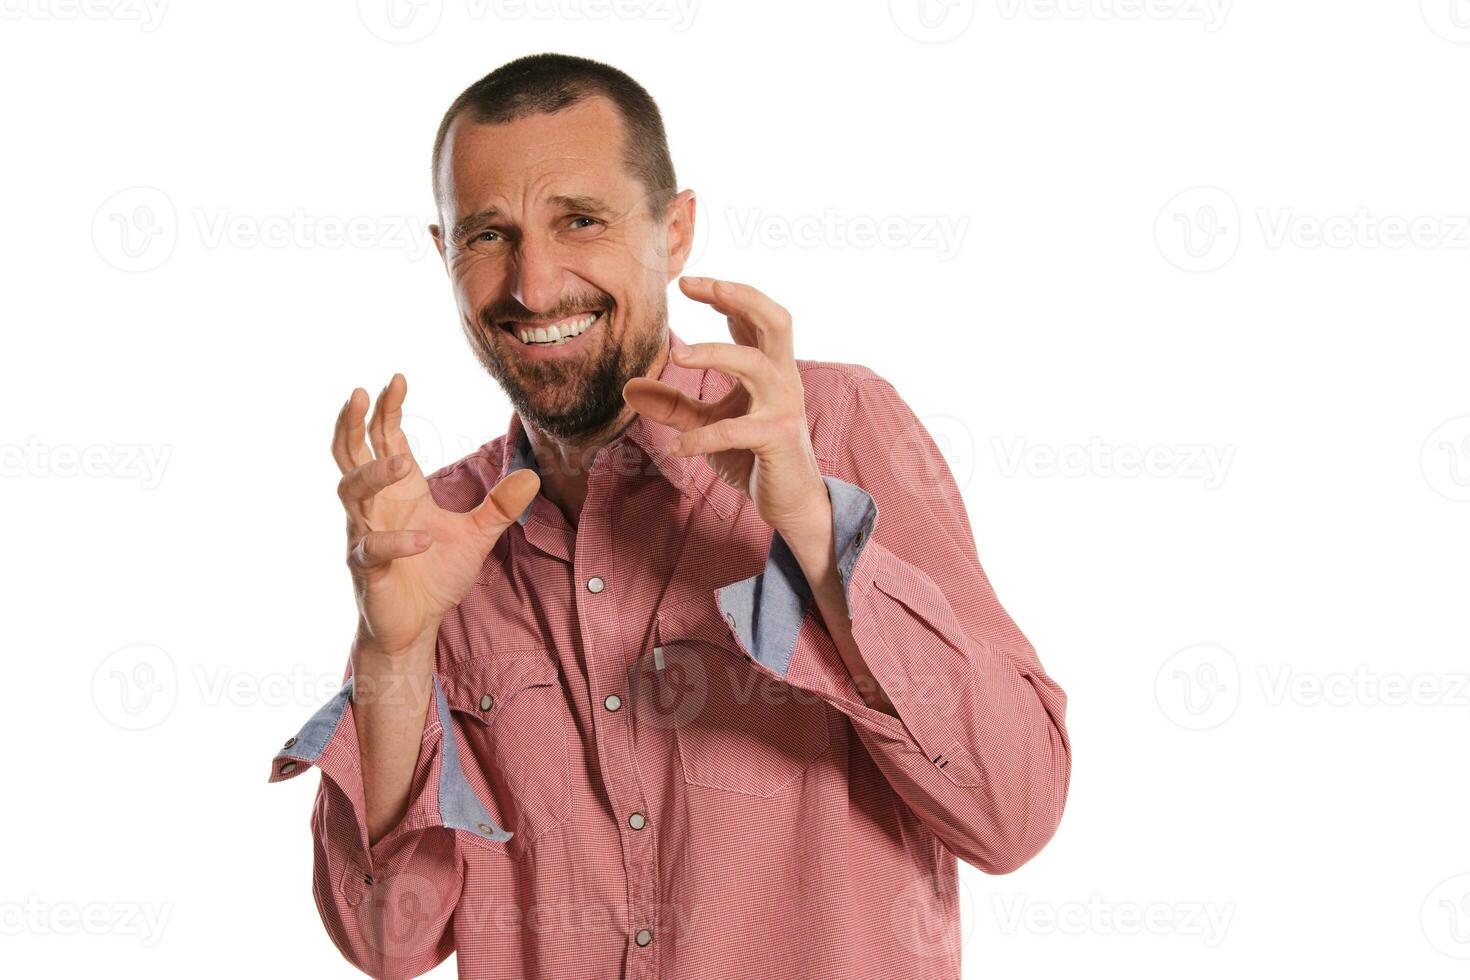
pixel 756 437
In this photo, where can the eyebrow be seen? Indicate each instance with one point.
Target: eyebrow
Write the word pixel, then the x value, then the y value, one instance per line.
pixel 581 202
pixel 463 225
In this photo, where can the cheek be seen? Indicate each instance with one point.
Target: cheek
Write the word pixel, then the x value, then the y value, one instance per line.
pixel 477 279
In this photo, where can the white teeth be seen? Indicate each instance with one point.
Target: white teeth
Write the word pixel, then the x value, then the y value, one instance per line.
pixel 557 333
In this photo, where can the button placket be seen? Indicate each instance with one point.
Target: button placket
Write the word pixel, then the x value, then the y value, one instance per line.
pixel 594 548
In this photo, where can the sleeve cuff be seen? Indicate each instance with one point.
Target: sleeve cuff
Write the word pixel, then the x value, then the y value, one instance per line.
pixel 766 610
pixel 328 741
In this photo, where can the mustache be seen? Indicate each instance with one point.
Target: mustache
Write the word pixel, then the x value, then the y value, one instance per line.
pixel 512 309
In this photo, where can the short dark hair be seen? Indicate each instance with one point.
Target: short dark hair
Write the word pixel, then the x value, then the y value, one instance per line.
pixel 547 83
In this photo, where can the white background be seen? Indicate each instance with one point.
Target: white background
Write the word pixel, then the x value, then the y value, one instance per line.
pixel 1196 347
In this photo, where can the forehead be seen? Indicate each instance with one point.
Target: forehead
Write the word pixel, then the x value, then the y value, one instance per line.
pixel 577 150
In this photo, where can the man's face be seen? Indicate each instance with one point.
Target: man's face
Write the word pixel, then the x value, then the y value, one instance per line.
pixel 559 269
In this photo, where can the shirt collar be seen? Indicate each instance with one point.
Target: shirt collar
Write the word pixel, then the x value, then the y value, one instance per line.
pixel 643 435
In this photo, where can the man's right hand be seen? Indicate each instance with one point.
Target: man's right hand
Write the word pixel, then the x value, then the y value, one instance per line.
pixel 411 560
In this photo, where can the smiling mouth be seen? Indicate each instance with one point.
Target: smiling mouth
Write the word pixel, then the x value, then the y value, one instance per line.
pixel 554 333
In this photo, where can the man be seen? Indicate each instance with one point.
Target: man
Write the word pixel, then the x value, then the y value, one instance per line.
pixel 695 672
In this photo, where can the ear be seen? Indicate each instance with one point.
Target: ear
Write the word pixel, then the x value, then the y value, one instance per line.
pixel 679 231
pixel 437 234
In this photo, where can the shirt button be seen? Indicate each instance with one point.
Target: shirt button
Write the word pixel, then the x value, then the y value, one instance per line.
pixel 730 618
pixel 636 821
pixel 612 702
pixel 288 768
pixel 644 937
pixel 290 742
pixel 595 584
pixel 487 702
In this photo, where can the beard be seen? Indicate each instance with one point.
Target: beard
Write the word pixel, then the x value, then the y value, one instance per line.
pixel 578 398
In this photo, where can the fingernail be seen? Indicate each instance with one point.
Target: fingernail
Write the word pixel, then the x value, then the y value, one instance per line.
pixel 673 447
pixel 694 280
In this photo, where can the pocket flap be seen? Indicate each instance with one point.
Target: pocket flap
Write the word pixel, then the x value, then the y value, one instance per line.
pixel 483 687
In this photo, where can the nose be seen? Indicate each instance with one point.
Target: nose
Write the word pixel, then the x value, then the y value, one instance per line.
pixel 536 275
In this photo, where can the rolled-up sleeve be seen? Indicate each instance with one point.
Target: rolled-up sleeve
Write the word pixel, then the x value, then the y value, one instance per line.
pixel 386 906
pixel 979 750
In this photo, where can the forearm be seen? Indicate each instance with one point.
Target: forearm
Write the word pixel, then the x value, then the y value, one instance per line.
pixel 391 696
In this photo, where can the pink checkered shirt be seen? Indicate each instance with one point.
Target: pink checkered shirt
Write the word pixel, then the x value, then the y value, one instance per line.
pixel 645 756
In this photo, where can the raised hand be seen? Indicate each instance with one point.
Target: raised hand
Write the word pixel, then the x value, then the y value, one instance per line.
pixel 756 437
pixel 411 560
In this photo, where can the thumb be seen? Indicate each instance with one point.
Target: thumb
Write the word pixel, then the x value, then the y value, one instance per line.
pixel 505 502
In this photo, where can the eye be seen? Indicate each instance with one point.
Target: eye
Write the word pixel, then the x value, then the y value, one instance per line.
pixel 485 236
pixel 578 219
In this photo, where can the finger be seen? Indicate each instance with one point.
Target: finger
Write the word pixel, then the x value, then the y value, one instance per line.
pixel 751 366
pixel 734 433
pixel 506 501
pixel 372 477
pixel 348 447
pixel 767 319
pixel 667 404
pixel 385 428
pixel 377 548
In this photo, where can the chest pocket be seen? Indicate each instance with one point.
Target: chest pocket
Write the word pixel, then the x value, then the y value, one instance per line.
pixel 513 712
pixel 738 729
